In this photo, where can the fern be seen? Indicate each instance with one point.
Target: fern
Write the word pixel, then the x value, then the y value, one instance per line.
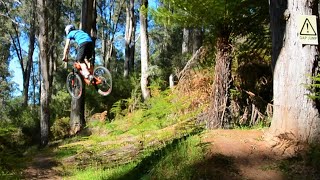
pixel 116 108
pixel 314 88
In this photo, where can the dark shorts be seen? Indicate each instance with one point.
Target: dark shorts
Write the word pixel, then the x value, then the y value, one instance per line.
pixel 85 51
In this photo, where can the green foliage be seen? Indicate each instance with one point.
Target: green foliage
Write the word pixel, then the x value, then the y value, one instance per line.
pixel 314 87
pixel 158 112
pixel 12 142
pixel 11 137
pixel 24 118
pixel 125 93
pixel 59 102
pixel 239 16
pixel 117 109
pixel 129 102
pixel 60 128
pixel 165 50
pixel 8 175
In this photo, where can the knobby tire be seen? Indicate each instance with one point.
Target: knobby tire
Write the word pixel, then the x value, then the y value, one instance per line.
pixel 74 85
pixel 104 75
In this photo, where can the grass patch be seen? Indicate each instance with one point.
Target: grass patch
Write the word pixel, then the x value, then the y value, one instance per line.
pixel 99 173
pixel 178 161
pixel 66 152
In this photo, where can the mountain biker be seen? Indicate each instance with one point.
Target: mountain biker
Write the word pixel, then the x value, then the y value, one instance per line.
pixel 85 49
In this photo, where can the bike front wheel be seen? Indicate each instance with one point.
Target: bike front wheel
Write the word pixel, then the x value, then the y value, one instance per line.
pixel 103 80
pixel 74 85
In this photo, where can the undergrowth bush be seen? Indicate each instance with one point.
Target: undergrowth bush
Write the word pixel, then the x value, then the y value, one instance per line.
pixel 59 101
pixel 60 128
pixel 11 137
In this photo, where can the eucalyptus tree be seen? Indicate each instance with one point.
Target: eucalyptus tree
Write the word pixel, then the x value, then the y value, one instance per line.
pixel 223 20
pixel 26 71
pixel 88 24
pixel 295 116
pixel 185 40
pixel 144 82
pixel 129 38
pixel 48 18
pixel 46 70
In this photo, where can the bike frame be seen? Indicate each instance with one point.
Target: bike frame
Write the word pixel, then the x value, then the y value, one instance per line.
pixel 90 66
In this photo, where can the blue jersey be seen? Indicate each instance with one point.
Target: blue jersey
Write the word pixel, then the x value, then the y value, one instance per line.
pixel 79 36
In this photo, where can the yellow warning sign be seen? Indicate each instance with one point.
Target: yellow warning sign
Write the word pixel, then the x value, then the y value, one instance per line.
pixel 308 29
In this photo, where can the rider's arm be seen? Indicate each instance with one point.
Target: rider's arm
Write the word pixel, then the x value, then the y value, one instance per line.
pixel 66 50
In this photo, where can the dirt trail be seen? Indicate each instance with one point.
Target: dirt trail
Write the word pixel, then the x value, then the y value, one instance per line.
pixel 245 154
pixel 42 166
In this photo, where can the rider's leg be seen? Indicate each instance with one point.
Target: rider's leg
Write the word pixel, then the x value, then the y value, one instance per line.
pixel 85 50
pixel 84 70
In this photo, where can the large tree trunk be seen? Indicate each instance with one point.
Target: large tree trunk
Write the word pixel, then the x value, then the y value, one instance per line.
pixel 294 113
pixel 129 38
pixel 45 72
pixel 144 49
pixel 219 114
pixel 88 23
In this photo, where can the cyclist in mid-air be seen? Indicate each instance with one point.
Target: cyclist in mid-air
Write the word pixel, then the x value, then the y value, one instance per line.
pixel 85 49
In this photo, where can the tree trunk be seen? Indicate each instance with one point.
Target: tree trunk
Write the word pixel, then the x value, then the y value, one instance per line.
pixel 129 38
pixel 197 37
pixel 219 114
pixel 144 49
pixel 32 38
pixel 87 15
pixel 45 72
pixel 185 40
pixel 294 113
pixel 88 23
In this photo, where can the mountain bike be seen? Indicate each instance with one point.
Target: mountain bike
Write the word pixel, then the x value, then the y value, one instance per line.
pixel 102 80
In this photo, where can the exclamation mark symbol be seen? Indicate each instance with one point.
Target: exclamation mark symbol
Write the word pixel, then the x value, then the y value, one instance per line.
pixel 307 27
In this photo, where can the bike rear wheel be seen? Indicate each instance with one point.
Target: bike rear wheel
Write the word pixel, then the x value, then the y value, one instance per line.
pixel 74 85
pixel 104 80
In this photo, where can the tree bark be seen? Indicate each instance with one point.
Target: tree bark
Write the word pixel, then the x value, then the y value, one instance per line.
pixel 144 49
pixel 293 63
pixel 28 68
pixel 219 114
pixel 45 96
pixel 88 24
pixel 129 38
pixel 185 40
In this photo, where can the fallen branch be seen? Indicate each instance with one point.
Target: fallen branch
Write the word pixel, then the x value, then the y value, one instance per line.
pixel 189 64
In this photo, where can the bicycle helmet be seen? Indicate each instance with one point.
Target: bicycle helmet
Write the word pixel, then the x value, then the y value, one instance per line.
pixel 69 28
